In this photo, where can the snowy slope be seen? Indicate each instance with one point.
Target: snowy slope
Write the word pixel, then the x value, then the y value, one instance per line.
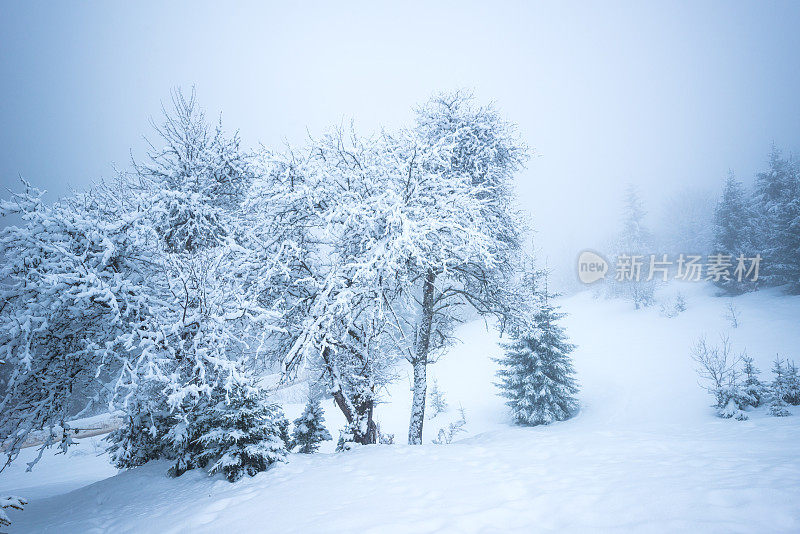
pixel 645 454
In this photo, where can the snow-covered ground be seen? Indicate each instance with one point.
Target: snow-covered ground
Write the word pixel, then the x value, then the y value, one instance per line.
pixel 645 454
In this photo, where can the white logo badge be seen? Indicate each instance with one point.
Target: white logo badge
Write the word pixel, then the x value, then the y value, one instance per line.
pixel 591 267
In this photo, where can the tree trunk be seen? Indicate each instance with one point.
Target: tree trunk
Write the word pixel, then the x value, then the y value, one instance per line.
pixel 358 412
pixel 353 409
pixel 371 437
pixel 418 403
pixel 420 362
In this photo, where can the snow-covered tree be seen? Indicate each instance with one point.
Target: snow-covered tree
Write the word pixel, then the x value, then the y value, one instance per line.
pixel 792 238
pixel 777 408
pixel 6 502
pixel 309 428
pixel 141 302
pixel 536 373
pixel 382 241
pixel 71 289
pixel 778 389
pixel 733 398
pixel 242 435
pixel 321 269
pixel 777 220
pixel 673 306
pixel 436 400
pixel 461 236
pixel 732 315
pixel 792 382
pixel 752 386
pixel 732 411
pixel 718 370
pixel 142 435
pixel 206 323
pixel 733 231
pixel 631 248
pixel 195 177
pixel 686 223
pixel 446 435
pixel 347 438
pixel 98 307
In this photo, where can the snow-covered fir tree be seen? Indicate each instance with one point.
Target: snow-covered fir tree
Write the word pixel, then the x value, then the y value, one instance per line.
pixel 241 435
pixel 777 220
pixel 630 248
pixel 792 381
pixel 732 399
pixel 686 222
pixel 732 410
pixel 309 428
pixel 142 435
pixel 9 502
pixel 733 232
pixel 778 390
pixel 436 400
pixel 792 238
pixel 755 390
pixel 347 438
pixel 778 408
pixel 536 373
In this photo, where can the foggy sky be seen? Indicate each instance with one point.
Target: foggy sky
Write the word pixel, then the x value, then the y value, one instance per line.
pixel 663 95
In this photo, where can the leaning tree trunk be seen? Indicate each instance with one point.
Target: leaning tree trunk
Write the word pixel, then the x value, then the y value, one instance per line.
pixel 354 409
pixel 420 362
pixel 370 437
pixel 358 412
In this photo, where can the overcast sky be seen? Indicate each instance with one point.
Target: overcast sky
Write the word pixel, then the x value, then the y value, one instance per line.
pixel 663 95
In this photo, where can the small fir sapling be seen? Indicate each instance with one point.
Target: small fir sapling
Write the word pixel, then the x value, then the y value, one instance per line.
pixel 732 315
pixel 446 436
pixel 734 398
pixel 778 389
pixel 346 438
pixel 309 428
pixel 436 400
pixel 753 387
